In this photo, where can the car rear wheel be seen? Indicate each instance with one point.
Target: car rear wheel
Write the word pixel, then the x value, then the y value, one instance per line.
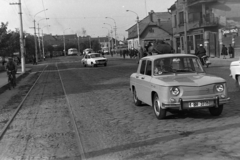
pixel 136 101
pixel 159 112
pixel 105 64
pixel 84 65
pixel 216 111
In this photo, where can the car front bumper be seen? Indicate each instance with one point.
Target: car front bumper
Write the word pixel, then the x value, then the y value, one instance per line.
pixel 184 104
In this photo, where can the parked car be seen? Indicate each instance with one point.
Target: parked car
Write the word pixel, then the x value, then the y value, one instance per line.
pixel 235 71
pixel 94 59
pixel 177 82
pixel 72 52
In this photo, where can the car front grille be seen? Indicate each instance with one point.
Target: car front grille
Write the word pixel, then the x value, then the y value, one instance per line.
pixel 194 91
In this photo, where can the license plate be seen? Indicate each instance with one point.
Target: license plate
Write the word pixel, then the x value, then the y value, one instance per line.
pixel 199 104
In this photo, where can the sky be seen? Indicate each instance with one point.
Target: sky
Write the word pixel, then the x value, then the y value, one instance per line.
pixel 72 16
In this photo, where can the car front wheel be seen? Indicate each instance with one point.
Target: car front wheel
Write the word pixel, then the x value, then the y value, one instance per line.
pixel 159 112
pixel 214 111
pixel 105 64
pixel 136 101
pixel 84 65
pixel 238 80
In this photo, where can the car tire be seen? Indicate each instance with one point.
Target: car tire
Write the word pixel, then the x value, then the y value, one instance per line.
pixel 238 80
pixel 105 64
pixel 84 65
pixel 158 111
pixel 216 111
pixel 136 101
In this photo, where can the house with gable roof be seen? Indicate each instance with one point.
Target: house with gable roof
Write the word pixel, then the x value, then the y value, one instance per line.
pixel 156 26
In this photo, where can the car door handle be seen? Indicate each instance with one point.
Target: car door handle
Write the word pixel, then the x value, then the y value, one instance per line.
pixel 137 77
pixel 143 78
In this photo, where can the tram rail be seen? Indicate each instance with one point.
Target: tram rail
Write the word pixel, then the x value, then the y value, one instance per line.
pixel 76 130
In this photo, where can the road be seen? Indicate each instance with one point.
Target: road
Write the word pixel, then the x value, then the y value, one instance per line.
pixel 110 126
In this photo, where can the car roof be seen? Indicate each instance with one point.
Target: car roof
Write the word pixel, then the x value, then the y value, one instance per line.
pixel 92 53
pixel 168 56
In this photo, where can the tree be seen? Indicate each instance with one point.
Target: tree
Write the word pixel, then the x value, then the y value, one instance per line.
pixel 3 38
pixel 84 32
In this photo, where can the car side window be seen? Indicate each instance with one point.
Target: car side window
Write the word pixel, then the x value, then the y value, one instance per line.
pixel 149 68
pixel 143 66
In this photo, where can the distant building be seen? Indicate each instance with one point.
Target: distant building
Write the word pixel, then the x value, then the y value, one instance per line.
pixel 209 22
pixel 156 26
pixel 57 40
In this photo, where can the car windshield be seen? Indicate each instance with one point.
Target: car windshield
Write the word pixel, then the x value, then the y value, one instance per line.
pixel 95 55
pixel 177 65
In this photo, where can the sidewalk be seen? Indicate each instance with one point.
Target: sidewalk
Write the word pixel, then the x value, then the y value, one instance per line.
pixel 222 62
pixel 4 78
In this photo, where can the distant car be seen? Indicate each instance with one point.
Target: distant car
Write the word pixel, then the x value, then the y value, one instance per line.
pixel 87 50
pixel 177 82
pixel 94 60
pixel 235 71
pixel 72 52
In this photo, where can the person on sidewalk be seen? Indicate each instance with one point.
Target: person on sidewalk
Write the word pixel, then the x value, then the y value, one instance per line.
pixel 11 67
pixel 231 51
pixel 201 51
pixel 224 51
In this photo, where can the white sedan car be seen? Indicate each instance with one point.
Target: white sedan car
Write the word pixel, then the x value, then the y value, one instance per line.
pixel 235 71
pixel 177 82
pixel 94 59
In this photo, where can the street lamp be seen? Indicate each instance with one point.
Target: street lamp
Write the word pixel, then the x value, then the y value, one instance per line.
pixel 137 31
pixel 109 48
pixel 43 42
pixel 64 41
pixel 115 31
pixel 39 38
pixel 35 40
pixel 111 35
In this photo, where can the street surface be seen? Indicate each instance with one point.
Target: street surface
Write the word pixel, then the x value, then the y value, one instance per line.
pixel 110 126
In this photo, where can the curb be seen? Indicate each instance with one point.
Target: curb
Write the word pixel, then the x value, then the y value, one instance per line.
pixel 5 87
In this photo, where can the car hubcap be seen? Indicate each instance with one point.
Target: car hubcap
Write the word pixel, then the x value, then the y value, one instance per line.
pixel 157 106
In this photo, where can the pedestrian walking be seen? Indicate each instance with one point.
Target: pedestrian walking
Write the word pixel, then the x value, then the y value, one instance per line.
pixel 231 51
pixel 224 51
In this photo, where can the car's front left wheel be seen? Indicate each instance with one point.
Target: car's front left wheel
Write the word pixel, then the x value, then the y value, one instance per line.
pixel 216 111
pixel 159 112
pixel 137 102
pixel 238 80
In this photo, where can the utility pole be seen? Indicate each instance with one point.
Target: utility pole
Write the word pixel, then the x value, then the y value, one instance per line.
pixel 35 41
pixel 39 40
pixel 43 46
pixel 185 27
pixel 21 36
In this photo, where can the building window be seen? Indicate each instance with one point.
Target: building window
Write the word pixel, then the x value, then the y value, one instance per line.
pixel 198 40
pixel 190 43
pixel 151 30
pixel 181 18
pixel 175 21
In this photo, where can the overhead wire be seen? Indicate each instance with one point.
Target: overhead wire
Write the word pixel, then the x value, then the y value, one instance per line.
pixel 45 14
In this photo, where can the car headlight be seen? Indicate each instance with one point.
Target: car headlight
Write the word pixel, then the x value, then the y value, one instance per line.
pixel 219 87
pixel 175 91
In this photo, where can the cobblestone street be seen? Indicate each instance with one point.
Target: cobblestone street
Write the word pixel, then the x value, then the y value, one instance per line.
pixel 110 125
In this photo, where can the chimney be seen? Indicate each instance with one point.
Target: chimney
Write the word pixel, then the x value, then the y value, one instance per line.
pixel 159 22
pixel 151 15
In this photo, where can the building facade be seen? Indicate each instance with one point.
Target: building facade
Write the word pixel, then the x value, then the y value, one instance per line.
pixel 156 26
pixel 208 22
